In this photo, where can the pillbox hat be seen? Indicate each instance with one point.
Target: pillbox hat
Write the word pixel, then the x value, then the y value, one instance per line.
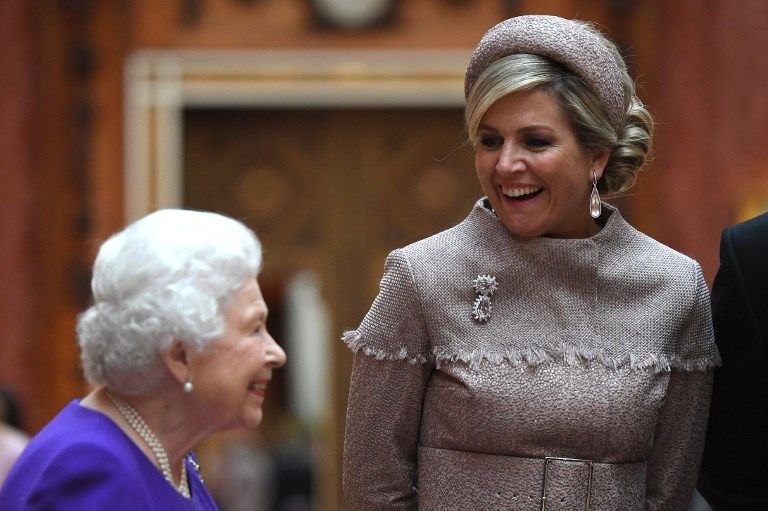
pixel 567 42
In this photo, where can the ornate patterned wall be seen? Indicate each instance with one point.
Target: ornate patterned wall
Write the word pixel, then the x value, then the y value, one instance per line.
pixel 62 147
pixel 333 191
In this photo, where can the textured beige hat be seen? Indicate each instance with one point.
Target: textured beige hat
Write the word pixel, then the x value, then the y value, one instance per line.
pixel 565 41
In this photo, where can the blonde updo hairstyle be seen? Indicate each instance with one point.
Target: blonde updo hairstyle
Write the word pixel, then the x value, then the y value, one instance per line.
pixel 629 146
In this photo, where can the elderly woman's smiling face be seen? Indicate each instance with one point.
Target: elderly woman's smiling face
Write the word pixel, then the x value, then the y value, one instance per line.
pixel 532 168
pixel 231 374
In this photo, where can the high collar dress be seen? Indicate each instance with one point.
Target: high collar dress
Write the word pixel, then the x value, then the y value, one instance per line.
pixel 587 387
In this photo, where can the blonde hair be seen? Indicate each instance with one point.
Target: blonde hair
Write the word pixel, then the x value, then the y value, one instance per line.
pixel 629 147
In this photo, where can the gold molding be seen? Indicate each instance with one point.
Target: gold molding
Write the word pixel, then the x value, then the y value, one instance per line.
pixel 159 84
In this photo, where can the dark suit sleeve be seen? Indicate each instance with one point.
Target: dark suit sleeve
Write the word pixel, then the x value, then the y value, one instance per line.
pixel 734 471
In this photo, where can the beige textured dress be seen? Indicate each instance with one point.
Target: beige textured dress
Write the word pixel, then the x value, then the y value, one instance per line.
pixel 597 350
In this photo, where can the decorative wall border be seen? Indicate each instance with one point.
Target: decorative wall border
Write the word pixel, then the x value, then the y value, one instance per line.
pixel 159 84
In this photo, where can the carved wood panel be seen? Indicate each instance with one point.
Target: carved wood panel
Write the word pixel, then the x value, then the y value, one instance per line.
pixel 334 191
pixel 311 182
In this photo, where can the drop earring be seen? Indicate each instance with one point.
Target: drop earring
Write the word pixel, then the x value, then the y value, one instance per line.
pixel 188 387
pixel 594 199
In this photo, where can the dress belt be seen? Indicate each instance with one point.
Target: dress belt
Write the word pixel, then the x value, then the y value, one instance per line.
pixel 456 480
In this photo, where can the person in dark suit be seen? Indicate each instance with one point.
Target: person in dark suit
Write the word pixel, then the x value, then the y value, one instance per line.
pixel 734 470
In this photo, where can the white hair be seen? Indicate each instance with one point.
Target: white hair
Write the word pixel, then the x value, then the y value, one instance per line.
pixel 168 276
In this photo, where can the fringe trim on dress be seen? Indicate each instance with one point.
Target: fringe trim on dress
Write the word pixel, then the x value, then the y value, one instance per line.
pixel 356 343
pixel 533 357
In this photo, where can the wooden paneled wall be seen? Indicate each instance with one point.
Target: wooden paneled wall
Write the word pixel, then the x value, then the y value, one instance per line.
pixel 700 66
pixel 705 68
pixel 19 285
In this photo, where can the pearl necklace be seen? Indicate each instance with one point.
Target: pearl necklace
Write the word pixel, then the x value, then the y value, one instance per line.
pixel 139 426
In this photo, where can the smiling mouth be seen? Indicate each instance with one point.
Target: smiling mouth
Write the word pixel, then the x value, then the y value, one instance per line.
pixel 258 387
pixel 521 193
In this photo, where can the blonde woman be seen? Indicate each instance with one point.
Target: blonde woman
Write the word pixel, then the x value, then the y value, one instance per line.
pixel 542 354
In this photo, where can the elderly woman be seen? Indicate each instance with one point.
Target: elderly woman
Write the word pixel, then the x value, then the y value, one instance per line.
pixel 542 354
pixel 177 348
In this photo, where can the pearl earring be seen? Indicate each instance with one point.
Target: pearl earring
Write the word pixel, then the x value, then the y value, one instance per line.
pixel 188 387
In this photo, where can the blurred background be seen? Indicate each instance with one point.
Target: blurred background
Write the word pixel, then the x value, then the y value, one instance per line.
pixel 334 129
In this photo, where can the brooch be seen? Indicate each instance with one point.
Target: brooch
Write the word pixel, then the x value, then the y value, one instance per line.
pixel 191 459
pixel 484 286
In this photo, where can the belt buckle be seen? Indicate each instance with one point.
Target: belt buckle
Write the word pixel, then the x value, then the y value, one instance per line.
pixel 571 460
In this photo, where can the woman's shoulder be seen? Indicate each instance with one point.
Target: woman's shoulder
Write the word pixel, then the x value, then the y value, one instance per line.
pixel 76 425
pixel 75 458
pixel 643 253
pixel 449 239
pixel 77 437
pixel 669 299
pixel 476 234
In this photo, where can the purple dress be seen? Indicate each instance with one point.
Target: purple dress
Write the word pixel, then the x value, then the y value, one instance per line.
pixel 83 461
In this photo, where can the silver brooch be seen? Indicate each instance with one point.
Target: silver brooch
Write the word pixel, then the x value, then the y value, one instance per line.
pixel 196 466
pixel 484 286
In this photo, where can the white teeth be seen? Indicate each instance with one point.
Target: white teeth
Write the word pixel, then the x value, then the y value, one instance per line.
pixel 519 192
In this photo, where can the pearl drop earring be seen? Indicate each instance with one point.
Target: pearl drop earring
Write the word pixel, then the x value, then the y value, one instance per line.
pixel 594 199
